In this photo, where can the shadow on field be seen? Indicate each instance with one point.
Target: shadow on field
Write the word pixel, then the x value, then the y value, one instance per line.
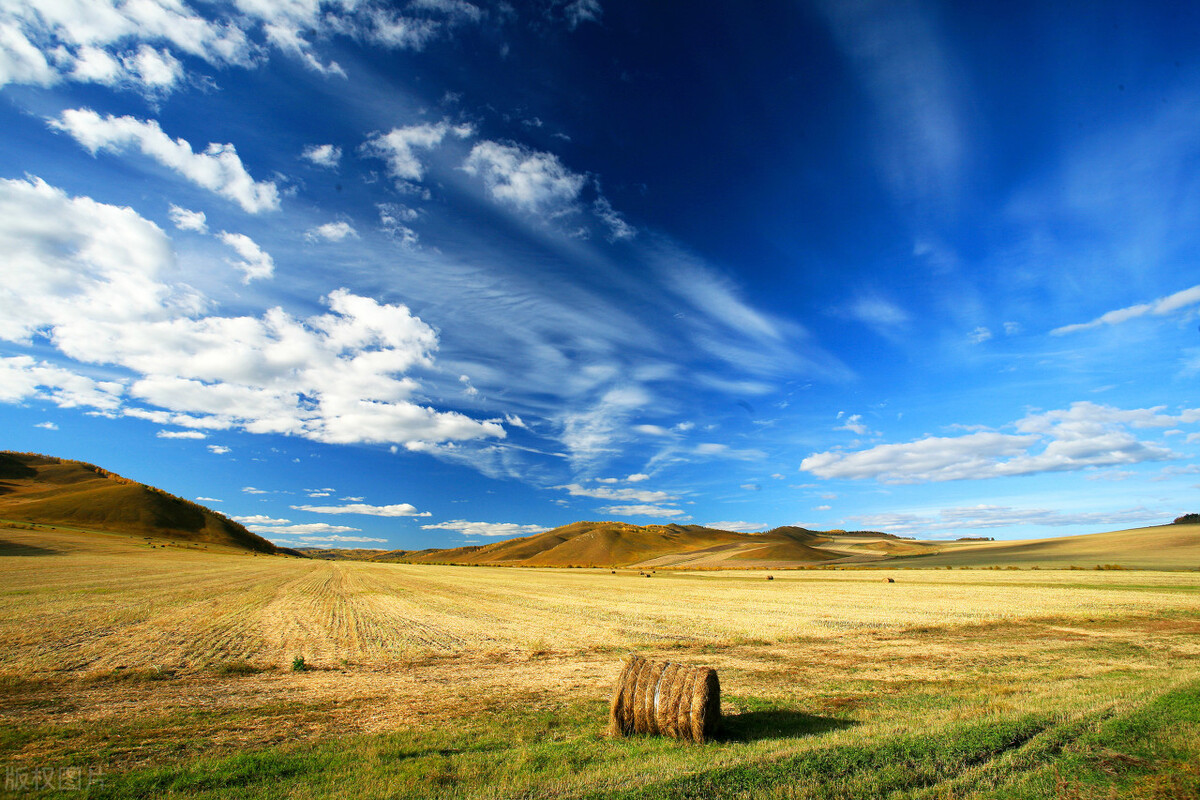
pixel 776 723
pixel 15 549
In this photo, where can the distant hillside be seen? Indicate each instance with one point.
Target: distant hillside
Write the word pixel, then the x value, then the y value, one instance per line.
pixel 45 489
pixel 619 544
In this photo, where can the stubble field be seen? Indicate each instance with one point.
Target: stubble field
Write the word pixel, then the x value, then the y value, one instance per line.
pixel 170 670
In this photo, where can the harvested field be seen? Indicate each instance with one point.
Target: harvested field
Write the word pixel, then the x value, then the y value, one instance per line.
pixel 152 658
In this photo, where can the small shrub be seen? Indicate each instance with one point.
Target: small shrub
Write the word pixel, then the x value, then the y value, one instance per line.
pixel 298 664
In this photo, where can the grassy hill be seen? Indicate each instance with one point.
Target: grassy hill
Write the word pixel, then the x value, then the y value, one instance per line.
pixel 619 544
pixel 56 491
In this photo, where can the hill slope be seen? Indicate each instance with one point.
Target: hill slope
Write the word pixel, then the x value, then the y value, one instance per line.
pixel 619 544
pixel 44 489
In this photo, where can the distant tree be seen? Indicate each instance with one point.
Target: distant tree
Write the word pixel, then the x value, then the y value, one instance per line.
pixel 1188 519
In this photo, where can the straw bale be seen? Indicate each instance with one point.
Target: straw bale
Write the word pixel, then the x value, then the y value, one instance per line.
pixel 676 700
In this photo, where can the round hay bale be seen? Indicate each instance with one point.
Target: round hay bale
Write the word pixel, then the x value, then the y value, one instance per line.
pixel 649 709
pixel 639 697
pixel 666 700
pixel 706 704
pixel 616 709
pixel 676 700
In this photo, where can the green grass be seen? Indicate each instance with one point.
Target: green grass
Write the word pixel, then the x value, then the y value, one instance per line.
pixel 1147 749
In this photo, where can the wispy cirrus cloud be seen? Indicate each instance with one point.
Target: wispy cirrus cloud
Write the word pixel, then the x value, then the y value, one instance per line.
pixel 948 522
pixel 1160 307
pixel 1084 435
pixel 394 510
pixel 491 529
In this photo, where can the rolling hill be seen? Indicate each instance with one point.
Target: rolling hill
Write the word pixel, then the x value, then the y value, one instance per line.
pixel 618 544
pixel 56 491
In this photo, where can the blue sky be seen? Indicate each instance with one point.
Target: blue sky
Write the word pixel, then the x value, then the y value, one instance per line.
pixel 432 273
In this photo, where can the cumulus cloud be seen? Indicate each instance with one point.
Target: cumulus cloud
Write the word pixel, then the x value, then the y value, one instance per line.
pixel 331 232
pixel 260 519
pixel 529 180
pixel 218 168
pixel 187 220
pixel 395 510
pixel 735 525
pixel 399 146
pixel 255 262
pixel 323 155
pixel 608 493
pixel 50 426
pixel 507 529
pixel 23 378
pixel 111 42
pixel 1160 307
pixel 218 449
pixel 181 435
pixel 854 424
pixel 1085 435
pixel 312 527
pixel 90 278
pixel 209 500
pixel 949 521
pixel 642 511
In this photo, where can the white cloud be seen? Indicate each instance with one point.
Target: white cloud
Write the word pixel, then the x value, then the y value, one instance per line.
pixel 255 263
pixel 89 277
pixel 948 521
pixel 252 490
pixel 1160 307
pixel 295 530
pixel 22 378
pixel 50 426
pixel 877 311
pixel 181 435
pixel 1085 435
pixel 187 220
pixel 209 500
pixel 578 12
pixel 854 424
pixel 331 232
pixel 638 477
pixel 735 525
pixel 642 511
pixel 606 493
pixel 42 43
pixel 618 228
pixel 529 180
pixel 822 508
pixel 396 510
pixel 218 449
pixel 979 335
pixel 218 168
pixel 323 155
pixel 260 519
pixel 398 147
pixel 508 529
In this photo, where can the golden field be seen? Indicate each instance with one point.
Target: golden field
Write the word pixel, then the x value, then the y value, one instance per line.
pixel 131 649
